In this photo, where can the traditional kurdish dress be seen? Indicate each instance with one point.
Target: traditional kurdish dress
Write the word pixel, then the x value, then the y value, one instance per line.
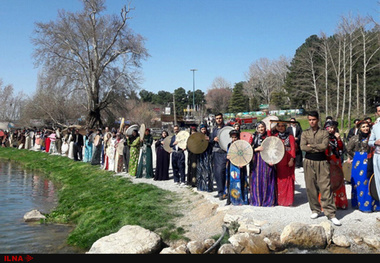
pixel 237 184
pixel 263 180
pixel 204 171
pixel 362 169
pixel 134 145
pixel 286 174
pixel 333 156
pixel 145 167
pixel 162 161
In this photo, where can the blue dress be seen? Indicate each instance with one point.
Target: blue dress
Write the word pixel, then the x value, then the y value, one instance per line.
pixel 237 184
pixel 360 197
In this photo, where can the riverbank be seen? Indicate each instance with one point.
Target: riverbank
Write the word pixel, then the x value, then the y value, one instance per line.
pixel 97 202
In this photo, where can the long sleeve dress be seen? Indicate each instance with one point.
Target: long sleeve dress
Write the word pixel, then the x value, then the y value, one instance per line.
pixel 361 155
pixel 286 174
pixel 145 167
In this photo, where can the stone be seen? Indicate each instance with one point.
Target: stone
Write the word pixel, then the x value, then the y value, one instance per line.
pixel 226 249
pixel 329 230
pixel 303 236
pixel 372 242
pixel 249 228
pixel 196 247
pixel 245 243
pixel 273 245
pixel 34 215
pixel 128 240
pixel 341 241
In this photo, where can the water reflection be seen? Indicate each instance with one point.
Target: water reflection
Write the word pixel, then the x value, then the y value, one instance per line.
pixel 22 191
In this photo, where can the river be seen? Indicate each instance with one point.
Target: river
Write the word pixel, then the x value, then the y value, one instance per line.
pixel 20 192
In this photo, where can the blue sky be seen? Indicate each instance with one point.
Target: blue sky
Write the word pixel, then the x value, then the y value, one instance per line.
pixel 217 37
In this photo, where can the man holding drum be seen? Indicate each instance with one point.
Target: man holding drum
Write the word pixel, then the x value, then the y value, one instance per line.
pixel 314 141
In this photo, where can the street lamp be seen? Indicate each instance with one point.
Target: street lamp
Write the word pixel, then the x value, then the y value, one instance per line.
pixel 193 70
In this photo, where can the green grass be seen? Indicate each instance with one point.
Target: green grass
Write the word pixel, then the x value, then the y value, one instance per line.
pixel 97 202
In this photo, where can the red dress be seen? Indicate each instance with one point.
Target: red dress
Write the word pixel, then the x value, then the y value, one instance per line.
pixel 340 196
pixel 285 174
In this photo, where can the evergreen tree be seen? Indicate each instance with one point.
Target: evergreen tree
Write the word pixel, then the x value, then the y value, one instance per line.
pixel 239 102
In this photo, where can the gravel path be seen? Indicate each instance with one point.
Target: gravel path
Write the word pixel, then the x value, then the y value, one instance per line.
pixel 203 213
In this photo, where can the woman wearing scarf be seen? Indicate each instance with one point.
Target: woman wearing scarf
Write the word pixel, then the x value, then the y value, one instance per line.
pixel 204 170
pixel 134 146
pixel 334 153
pixel 162 159
pixel 145 168
pixel 360 155
pixel 286 167
pixel 263 180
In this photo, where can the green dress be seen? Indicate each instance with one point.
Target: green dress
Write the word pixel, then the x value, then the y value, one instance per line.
pixel 145 168
pixel 134 156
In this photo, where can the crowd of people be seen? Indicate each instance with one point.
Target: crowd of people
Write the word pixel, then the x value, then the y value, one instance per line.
pixel 317 150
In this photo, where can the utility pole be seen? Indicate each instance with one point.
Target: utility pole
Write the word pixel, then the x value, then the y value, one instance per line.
pixel 193 70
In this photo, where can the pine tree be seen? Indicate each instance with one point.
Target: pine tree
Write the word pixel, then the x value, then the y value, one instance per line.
pixel 239 102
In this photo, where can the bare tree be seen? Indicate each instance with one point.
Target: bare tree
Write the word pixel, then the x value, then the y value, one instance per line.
pixel 91 51
pixel 11 104
pixel 219 95
pixel 266 76
pixel 365 24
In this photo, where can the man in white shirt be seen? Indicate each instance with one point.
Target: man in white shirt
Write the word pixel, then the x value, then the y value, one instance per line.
pixel 374 141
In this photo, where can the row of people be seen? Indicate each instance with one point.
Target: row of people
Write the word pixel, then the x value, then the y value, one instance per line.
pixel 259 184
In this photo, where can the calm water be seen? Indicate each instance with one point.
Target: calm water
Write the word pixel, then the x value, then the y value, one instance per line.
pixel 20 192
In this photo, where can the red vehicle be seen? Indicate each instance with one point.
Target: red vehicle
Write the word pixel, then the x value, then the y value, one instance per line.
pixel 245 123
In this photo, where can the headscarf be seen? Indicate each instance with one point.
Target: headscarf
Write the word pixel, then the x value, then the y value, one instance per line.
pixel 258 138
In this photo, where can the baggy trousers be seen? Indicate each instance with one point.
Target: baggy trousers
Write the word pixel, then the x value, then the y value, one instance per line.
pixel 317 179
pixel 219 170
pixel 178 165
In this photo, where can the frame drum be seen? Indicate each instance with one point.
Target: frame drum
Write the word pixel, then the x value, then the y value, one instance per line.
pixel 267 122
pixel 181 139
pixel 142 131
pixel 240 153
pixel 224 137
pixel 336 176
pixel 131 128
pixel 246 136
pixel 167 144
pixel 197 143
pixel 347 171
pixel 273 150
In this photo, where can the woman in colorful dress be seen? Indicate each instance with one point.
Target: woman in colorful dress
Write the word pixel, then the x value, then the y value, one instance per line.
pixel 263 177
pixel 145 168
pixel 334 153
pixel 204 170
pixel 285 169
pixel 134 146
pixel 360 154
pixel 162 159
pixel 237 184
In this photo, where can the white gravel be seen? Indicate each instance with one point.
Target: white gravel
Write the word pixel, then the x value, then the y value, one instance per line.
pixel 355 224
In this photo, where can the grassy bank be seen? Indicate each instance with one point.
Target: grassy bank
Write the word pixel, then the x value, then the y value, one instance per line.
pixel 96 202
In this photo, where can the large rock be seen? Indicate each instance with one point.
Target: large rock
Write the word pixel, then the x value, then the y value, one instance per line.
pixel 245 243
pixel 33 215
pixel 304 236
pixel 128 240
